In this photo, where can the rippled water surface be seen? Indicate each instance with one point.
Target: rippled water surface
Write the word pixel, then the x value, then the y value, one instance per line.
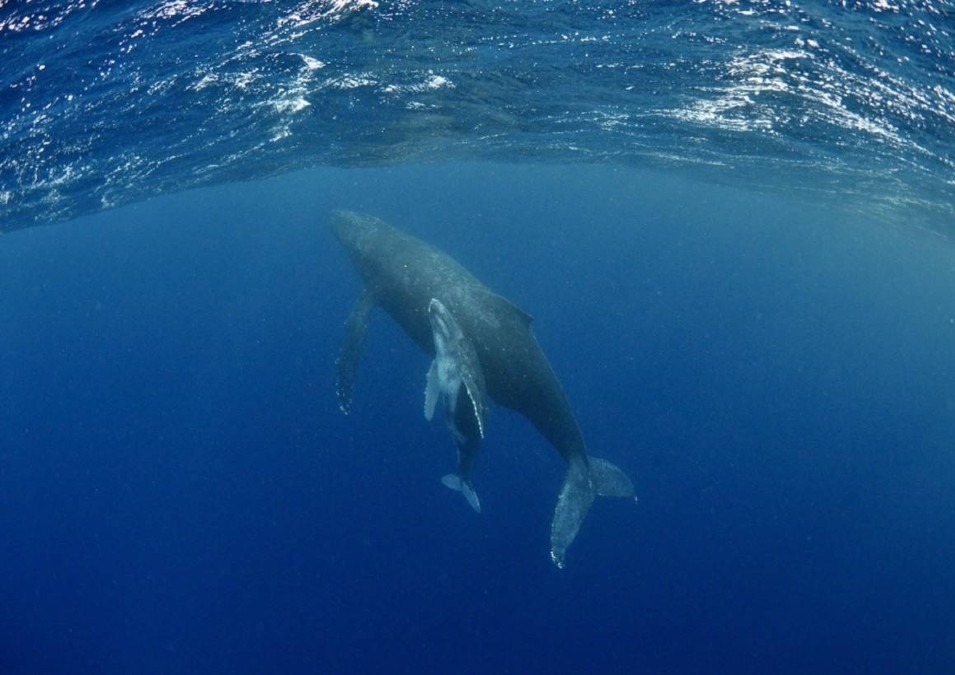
pixel 104 103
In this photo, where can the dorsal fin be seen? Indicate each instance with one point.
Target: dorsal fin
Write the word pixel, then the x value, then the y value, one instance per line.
pixel 506 305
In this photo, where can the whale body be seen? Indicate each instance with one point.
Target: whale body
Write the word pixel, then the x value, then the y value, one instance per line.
pixel 402 274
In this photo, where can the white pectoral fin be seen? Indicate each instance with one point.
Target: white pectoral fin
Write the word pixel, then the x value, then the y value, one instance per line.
pixel 432 391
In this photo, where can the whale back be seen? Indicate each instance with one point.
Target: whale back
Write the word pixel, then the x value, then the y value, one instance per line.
pixel 404 274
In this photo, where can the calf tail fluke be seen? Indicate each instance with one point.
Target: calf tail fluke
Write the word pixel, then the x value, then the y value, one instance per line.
pixel 458 484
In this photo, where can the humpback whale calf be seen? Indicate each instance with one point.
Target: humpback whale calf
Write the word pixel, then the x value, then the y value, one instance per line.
pixel 403 275
pixel 456 378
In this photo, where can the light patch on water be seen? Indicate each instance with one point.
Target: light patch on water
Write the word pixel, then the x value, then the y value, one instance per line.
pixel 316 11
pixel 290 105
pixel 883 6
pixel 351 82
pixel 736 106
pixel 16 24
pixel 841 116
pixel 240 81
pixel 178 11
pixel 280 133
pixel 716 113
pixel 207 80
pixel 882 95
pixel 609 120
pixel 947 97
pixel 430 83
pixel 292 99
pixel 159 87
pixel 764 64
pixel 312 63
pixel 68 174
pixel 749 102
pixel 437 82
pixel 45 19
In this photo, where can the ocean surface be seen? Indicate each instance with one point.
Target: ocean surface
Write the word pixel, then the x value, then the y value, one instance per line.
pixel 731 222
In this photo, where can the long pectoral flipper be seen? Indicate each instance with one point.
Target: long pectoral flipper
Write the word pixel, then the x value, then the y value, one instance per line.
pixel 356 328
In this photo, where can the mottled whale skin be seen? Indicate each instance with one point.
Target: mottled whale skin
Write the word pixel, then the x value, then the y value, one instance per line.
pixel 402 274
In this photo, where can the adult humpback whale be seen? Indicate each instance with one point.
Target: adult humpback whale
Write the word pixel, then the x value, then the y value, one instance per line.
pixel 403 275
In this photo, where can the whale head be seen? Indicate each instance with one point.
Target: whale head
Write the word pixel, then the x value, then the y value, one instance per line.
pixel 357 233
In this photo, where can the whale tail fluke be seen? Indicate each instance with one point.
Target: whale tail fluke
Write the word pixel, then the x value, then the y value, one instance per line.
pixel 456 483
pixel 585 480
pixel 576 497
pixel 609 480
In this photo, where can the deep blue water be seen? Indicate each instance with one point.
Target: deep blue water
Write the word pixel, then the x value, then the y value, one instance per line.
pixel 181 494
pixel 849 101
pixel 730 221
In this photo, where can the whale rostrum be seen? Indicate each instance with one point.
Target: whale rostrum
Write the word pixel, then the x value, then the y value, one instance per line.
pixel 483 348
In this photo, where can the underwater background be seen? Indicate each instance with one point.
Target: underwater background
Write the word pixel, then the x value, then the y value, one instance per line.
pixel 730 221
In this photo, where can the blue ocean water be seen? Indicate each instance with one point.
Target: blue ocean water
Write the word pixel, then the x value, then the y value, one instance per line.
pixel 730 222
